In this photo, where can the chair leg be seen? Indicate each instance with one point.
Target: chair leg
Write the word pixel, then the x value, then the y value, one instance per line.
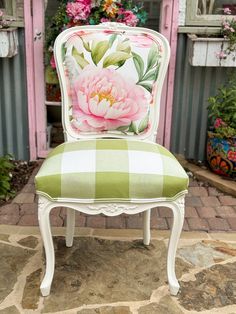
pixel 146 227
pixel 44 209
pixel 70 226
pixel 178 220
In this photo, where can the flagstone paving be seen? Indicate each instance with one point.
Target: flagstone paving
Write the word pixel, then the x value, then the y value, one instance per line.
pixel 112 272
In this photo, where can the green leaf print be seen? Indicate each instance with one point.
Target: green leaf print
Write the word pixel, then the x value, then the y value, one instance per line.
pixel 82 62
pixel 152 57
pixel 143 124
pixel 139 65
pixel 146 85
pixel 99 50
pixel 115 58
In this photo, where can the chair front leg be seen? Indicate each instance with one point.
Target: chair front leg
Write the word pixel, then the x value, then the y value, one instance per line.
pixel 44 208
pixel 70 226
pixel 146 227
pixel 178 220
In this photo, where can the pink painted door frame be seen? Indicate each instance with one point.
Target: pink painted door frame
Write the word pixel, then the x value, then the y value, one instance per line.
pixel 169 28
pixel 34 38
pixel 34 41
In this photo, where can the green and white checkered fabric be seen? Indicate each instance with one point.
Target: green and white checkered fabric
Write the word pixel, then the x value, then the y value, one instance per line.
pixel 110 170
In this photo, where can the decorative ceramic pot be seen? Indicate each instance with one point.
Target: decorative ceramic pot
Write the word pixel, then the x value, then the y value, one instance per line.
pixel 221 155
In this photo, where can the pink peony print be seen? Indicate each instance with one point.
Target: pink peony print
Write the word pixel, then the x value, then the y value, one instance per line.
pixel 104 100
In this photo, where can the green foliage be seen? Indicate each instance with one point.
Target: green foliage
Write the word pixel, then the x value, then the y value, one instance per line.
pixel 222 110
pixel 5 177
pixel 229 32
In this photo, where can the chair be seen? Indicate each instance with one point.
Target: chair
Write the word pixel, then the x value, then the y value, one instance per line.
pixel 111 78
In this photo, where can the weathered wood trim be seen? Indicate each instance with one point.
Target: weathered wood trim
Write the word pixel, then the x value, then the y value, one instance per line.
pixel 29 42
pixel 38 33
pixel 192 18
pixel 14 9
pixel 171 73
pixel 199 30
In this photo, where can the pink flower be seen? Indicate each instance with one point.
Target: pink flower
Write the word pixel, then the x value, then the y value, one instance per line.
pixel 52 62
pixel 128 17
pixel 84 2
pixel 78 10
pixel 103 20
pixel 1 13
pixel 221 55
pixel 104 100
pixel 227 11
pixel 218 122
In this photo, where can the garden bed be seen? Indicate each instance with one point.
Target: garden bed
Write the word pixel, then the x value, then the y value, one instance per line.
pixel 21 173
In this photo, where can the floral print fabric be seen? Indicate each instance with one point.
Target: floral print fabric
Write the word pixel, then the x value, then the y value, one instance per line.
pixel 111 81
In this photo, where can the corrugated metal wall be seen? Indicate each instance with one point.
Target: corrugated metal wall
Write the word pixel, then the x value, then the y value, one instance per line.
pixel 193 86
pixel 13 104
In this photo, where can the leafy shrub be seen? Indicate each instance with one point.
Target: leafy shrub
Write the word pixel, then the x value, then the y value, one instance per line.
pixel 5 177
pixel 222 110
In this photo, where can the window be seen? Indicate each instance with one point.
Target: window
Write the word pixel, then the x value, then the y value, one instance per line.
pixel 13 9
pixel 207 12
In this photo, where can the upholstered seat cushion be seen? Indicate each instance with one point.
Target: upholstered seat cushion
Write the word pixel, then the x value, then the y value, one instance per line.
pixel 110 169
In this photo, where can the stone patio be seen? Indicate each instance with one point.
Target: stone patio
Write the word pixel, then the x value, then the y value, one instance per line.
pixel 112 272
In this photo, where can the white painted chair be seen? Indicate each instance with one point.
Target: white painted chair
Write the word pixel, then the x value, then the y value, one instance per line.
pixel 111 78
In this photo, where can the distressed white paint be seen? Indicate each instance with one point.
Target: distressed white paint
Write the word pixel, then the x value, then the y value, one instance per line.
pixel 8 42
pixel 203 52
pixel 182 12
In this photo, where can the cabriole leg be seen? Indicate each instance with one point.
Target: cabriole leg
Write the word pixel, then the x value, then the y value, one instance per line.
pixel 146 227
pixel 178 220
pixel 44 208
pixel 70 226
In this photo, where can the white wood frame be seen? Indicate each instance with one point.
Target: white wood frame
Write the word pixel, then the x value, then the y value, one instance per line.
pixel 110 209
pixel 192 18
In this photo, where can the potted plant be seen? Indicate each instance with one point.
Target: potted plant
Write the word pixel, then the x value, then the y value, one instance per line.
pixel 8 37
pixel 81 12
pixel 221 142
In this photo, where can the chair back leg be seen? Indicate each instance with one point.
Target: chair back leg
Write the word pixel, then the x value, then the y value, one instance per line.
pixel 146 227
pixel 70 226
pixel 178 220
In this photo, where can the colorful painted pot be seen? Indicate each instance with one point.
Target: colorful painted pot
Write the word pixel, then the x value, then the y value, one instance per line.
pixel 221 155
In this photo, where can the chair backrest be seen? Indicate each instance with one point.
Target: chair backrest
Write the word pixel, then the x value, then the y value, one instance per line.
pixel 111 78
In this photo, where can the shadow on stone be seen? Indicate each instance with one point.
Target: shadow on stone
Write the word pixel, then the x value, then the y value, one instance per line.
pixel 96 271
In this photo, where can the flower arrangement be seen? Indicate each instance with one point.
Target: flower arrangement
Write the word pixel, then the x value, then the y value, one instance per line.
pixel 228 31
pixel 82 12
pixel 4 23
pixel 222 110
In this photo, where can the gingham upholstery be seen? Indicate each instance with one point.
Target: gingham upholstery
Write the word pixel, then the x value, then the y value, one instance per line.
pixel 110 170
